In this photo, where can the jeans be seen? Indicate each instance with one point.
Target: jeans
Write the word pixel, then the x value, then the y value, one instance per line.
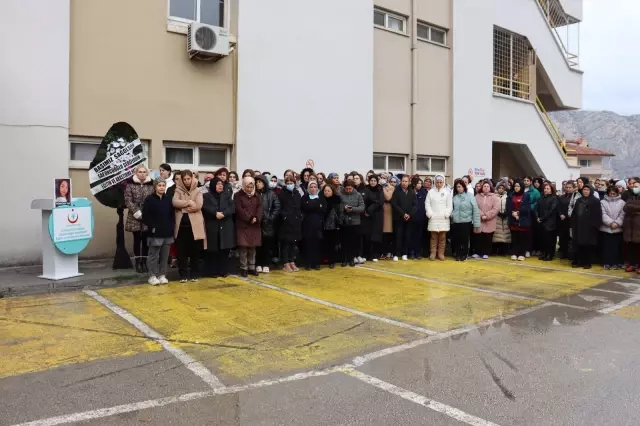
pixel 188 253
pixel 247 258
pixel 520 242
pixel 416 237
pixel 460 239
pixel 483 243
pixel 264 253
pixel 611 244
pixel 158 259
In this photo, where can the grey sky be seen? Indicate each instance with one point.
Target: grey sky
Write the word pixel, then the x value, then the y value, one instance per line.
pixel 609 56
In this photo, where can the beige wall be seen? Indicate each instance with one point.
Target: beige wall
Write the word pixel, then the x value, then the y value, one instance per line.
pixel 126 66
pixel 392 85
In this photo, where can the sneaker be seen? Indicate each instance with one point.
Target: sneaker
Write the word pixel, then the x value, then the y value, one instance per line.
pixel 163 280
pixel 258 268
pixel 514 257
pixel 630 268
pixel 389 256
pixel 395 258
pixel 287 268
pixel 527 254
pixel 294 267
pixel 154 280
pixel 183 280
pixel 404 257
pixel 475 256
pixel 485 257
pixel 607 267
pixel 194 280
pixel 356 261
pixel 521 258
pixel 375 260
pixel 265 270
pixel 361 260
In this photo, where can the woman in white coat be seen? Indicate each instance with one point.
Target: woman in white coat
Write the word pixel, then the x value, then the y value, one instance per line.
pixel 438 206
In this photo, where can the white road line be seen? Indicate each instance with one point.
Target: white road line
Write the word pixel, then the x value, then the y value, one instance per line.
pixel 624 293
pixel 196 367
pixel 344 308
pixel 549 268
pixel 439 407
pixel 622 283
pixel 161 402
pixel 478 289
pixel 613 308
pixel 363 359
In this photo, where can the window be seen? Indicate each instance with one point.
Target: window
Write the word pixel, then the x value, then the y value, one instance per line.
pixel 389 163
pixel 585 163
pixel 390 21
pixel 82 151
pixel 512 59
pixel 206 11
pixel 194 157
pixel 430 33
pixel 432 164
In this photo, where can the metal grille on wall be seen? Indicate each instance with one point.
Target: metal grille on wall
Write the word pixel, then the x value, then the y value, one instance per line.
pixel 565 29
pixel 512 57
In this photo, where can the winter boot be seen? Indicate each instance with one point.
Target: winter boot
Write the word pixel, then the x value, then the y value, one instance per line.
pixel 433 246
pixel 139 265
pixel 442 242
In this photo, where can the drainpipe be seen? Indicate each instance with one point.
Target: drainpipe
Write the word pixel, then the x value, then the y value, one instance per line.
pixel 414 83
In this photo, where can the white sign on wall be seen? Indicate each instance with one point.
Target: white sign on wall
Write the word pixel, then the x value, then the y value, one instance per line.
pixel 72 224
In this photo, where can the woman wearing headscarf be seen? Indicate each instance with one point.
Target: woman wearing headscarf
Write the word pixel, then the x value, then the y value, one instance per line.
pixel 352 207
pixel 271 207
pixel 416 227
pixel 585 226
pixel 138 189
pixel 489 206
pixel 313 208
pixel 217 209
pixel 290 232
pixel 520 217
pixel 332 217
pixel 631 228
pixel 249 213
pixel 438 206
pixel 404 208
pixel 372 220
pixel 547 219
pixel 189 232
pixel 611 228
pixel 502 236
pixel 465 216
pixel 388 184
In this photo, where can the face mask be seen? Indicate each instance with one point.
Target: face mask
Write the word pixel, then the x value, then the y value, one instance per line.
pixel 313 196
pixel 383 181
pixel 290 187
pixel 636 191
pixel 273 184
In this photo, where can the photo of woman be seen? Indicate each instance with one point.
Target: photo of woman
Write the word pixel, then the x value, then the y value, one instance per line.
pixel 62 192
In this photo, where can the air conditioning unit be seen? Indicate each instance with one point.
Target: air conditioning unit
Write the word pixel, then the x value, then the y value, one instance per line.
pixel 207 41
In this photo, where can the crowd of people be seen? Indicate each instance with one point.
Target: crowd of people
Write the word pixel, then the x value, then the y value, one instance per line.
pixel 312 219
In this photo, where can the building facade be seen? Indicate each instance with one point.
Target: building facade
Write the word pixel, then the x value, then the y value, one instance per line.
pixel 409 86
pixel 593 163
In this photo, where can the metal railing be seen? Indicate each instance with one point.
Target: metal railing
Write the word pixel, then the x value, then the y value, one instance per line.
pixel 565 29
pixel 512 59
pixel 553 130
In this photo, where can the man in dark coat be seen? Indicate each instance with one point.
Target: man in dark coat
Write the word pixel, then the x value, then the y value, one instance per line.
pixel 404 206
pixel 372 220
pixel 218 209
pixel 585 226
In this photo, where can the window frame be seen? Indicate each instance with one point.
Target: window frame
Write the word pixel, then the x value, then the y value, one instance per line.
pixel 588 163
pixel 429 28
pixel 430 158
pixel 386 162
pixel 90 140
pixel 195 167
pixel 180 25
pixel 388 14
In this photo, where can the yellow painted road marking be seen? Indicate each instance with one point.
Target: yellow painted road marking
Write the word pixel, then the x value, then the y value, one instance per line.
pixel 43 332
pixel 632 312
pixel 544 284
pixel 240 330
pixel 433 306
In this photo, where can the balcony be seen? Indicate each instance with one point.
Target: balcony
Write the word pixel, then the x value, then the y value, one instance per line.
pixel 566 29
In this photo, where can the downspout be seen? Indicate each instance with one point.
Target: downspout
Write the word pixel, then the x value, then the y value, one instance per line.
pixel 414 84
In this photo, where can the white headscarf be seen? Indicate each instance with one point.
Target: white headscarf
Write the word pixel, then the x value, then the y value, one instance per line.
pixel 246 181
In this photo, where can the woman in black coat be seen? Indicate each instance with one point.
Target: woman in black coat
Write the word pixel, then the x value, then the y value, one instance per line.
pixel 547 219
pixel 313 208
pixel 585 225
pixel 291 223
pixel 218 209
pixel 372 220
pixel 271 205
pixel 331 224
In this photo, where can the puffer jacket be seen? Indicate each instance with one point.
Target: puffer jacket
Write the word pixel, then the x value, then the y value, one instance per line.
pixel 503 233
pixel 489 206
pixel 271 205
pixel 631 227
pixel 465 209
pixel 612 212
pixel 354 199
pixel 333 213
pixel 438 207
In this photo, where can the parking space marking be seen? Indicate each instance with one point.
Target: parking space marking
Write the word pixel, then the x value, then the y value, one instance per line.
pixel 549 268
pixel 624 303
pixel 439 407
pixel 196 367
pixel 344 308
pixel 478 289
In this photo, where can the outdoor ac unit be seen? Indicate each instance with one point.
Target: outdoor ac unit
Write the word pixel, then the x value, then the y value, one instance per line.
pixel 207 41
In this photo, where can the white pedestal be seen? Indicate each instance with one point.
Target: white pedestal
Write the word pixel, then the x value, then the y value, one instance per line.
pixel 55 264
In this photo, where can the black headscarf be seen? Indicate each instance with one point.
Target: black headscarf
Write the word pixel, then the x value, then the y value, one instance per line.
pixel 521 183
pixel 212 186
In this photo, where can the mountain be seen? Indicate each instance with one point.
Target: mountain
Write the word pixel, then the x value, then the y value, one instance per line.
pixel 607 131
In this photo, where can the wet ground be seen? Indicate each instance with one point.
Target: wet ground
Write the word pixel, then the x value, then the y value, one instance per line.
pixel 407 343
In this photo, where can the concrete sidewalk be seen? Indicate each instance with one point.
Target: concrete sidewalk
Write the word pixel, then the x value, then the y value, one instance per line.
pixel 23 280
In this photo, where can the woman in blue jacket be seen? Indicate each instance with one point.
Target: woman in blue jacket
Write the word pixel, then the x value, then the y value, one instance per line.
pixel 465 213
